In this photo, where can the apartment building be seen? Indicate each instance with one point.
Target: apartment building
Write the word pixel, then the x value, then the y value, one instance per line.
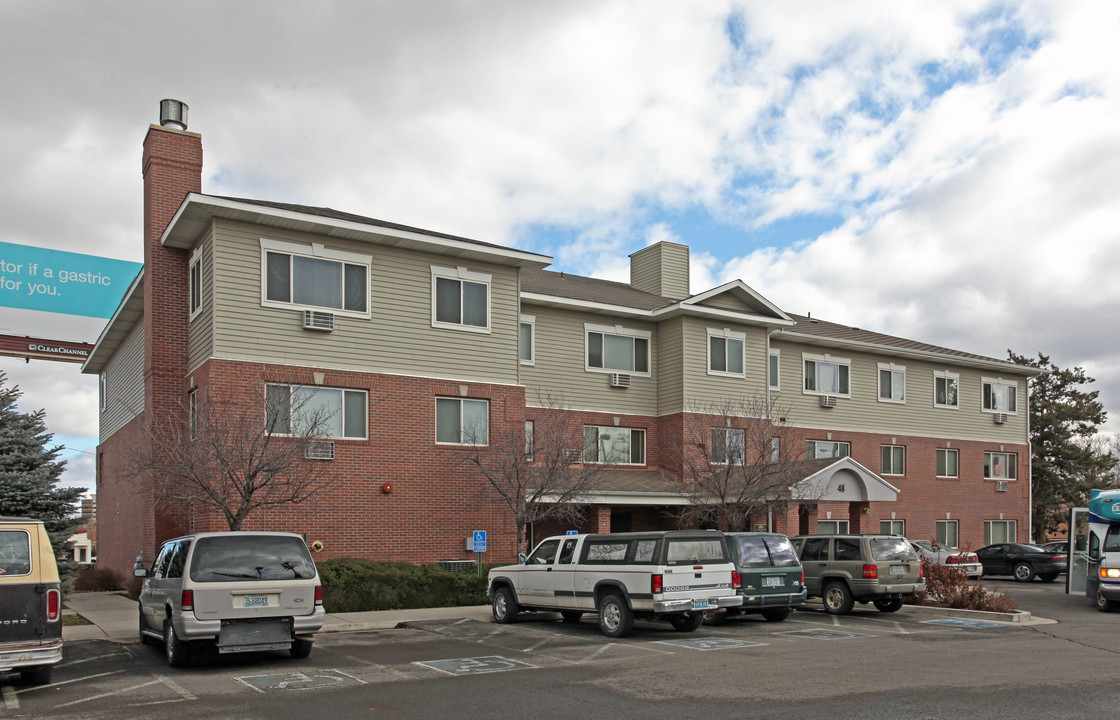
pixel 408 337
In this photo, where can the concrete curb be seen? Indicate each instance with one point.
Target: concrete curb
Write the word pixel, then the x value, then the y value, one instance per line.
pixel 1021 617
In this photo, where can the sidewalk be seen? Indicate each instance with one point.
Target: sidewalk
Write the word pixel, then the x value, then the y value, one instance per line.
pixel 116 618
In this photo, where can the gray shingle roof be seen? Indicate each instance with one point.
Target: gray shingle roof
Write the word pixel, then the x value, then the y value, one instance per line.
pixel 577 287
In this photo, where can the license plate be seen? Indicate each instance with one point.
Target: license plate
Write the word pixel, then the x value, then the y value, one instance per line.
pixel 898 569
pixel 254 601
pixel 700 605
pixel 772 581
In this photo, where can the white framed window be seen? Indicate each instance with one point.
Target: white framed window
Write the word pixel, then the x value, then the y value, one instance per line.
pixel 614 445
pixel 946 533
pixel 999 531
pixel 460 299
pixel 775 369
pixel 775 449
pixel 947 463
pixel 946 389
pixel 192 412
pixel 527 339
pixel 999 466
pixel 826 375
pixel 617 349
pixel 103 392
pixel 832 527
pixel 462 421
pixel 295 275
pixel 328 412
pixel 892 383
pixel 725 352
pixel 195 282
pixel 815 449
pixel 894 459
pixel 529 440
pixel 727 446
pixel 892 527
pixel 999 395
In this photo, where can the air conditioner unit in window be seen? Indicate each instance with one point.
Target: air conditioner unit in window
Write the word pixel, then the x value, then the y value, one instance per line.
pixel 318 320
pixel 573 455
pixel 828 401
pixel 319 450
pixel 1001 486
pixel 621 380
pixel 999 418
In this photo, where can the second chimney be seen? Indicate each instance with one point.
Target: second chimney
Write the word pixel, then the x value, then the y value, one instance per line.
pixel 661 269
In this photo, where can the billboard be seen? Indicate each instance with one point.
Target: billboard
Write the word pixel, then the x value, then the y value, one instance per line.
pixel 55 281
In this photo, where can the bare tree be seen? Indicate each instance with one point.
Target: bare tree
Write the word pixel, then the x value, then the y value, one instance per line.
pixel 739 458
pixel 536 467
pixel 239 455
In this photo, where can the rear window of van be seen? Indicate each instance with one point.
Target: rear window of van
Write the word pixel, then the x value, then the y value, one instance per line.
pixel 766 551
pixel 689 551
pixel 15 552
pixel 250 558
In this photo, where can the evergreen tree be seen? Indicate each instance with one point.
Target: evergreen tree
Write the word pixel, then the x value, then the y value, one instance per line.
pixel 30 469
pixel 1067 459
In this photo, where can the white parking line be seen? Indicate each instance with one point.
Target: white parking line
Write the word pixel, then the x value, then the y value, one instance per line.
pixel 183 692
pixel 95 658
pixel 11 700
pixel 109 694
pixel 67 682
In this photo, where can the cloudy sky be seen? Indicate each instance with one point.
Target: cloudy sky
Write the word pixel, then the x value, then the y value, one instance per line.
pixel 948 172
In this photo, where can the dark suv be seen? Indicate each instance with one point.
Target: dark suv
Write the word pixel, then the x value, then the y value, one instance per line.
pixel 772 578
pixel 845 569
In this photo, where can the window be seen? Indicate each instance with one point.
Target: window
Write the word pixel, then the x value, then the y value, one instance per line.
pixel 999 531
pixel 617 349
pixel 727 446
pixel 892 383
pixel 999 395
pixel 306 410
pixel 846 549
pixel 192 412
pixel 827 449
pixel 894 459
pixel 832 527
pixel 999 466
pixel 775 449
pixel 892 527
pixel 947 463
pixel 526 339
pixel 311 276
pixel 15 553
pixel 775 367
pixel 195 283
pixel 946 533
pixel 725 352
pixel 826 375
pixel 102 388
pixel 946 386
pixel 529 440
pixel 617 446
pixel 460 299
pixel 460 421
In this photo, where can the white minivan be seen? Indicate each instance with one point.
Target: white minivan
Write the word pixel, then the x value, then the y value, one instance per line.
pixel 239 591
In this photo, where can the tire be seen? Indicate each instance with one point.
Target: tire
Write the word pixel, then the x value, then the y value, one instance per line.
pixel 1048 577
pixel 715 618
pixel 300 648
pixel 1103 603
pixel 145 639
pixel 688 622
pixel 504 607
pixel 776 614
pixel 1023 572
pixel 837 598
pixel 177 651
pixel 39 675
pixel 616 619
pixel 889 605
pixel 571 616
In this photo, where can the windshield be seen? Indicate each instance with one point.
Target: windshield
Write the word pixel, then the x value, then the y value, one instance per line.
pixel 766 551
pixel 699 550
pixel 892 549
pixel 1112 542
pixel 228 558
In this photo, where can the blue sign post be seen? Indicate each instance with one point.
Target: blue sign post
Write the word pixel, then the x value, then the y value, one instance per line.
pixel 478 544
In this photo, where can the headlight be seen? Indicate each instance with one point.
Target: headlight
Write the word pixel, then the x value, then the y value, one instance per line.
pixel 1110 573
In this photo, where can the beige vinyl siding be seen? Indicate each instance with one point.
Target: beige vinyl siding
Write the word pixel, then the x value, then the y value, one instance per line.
pixel 397 338
pixel 200 331
pixel 124 384
pixel 702 389
pixel 918 416
pixel 671 366
pixel 560 366
pixel 661 269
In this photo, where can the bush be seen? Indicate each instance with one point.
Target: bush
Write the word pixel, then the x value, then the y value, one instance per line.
pixel 947 586
pixel 354 585
pixel 98 580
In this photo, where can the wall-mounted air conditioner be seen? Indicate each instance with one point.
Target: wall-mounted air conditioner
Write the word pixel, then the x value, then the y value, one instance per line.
pixel 318 320
pixel 828 401
pixel 319 450
pixel 620 380
pixel 573 455
pixel 1001 486
pixel 999 418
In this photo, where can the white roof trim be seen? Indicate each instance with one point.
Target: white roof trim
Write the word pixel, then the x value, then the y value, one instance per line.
pixel 820 486
pixel 740 285
pixel 102 339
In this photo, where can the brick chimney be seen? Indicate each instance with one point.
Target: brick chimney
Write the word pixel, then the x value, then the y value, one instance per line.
pixel 661 269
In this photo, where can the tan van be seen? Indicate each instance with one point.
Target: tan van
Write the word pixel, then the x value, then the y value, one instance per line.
pixel 30 601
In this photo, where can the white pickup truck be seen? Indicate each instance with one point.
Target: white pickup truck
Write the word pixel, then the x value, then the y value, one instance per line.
pixel 666 575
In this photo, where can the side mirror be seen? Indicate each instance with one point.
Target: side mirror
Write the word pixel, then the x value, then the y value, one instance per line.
pixel 522 557
pixel 140 572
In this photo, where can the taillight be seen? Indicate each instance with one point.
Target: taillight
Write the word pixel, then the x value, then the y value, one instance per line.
pixel 318 594
pixel 736 580
pixel 54 605
pixel 186 600
pixel 953 560
pixel 802 578
pixel 870 572
pixel 922 570
pixel 656 584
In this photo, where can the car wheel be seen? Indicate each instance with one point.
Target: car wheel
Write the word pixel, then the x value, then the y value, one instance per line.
pixel 571 616
pixel 616 619
pixel 1023 572
pixel 504 606
pixel 1103 603
pixel 715 618
pixel 40 675
pixel 776 614
pixel 687 622
pixel 300 648
pixel 145 639
pixel 176 650
pixel 1048 577
pixel 838 598
pixel 889 605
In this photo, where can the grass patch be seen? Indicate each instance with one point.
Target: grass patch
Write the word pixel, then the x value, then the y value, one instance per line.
pixel 69 620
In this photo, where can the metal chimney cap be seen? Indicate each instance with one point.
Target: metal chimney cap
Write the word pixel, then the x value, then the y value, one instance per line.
pixel 173 114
